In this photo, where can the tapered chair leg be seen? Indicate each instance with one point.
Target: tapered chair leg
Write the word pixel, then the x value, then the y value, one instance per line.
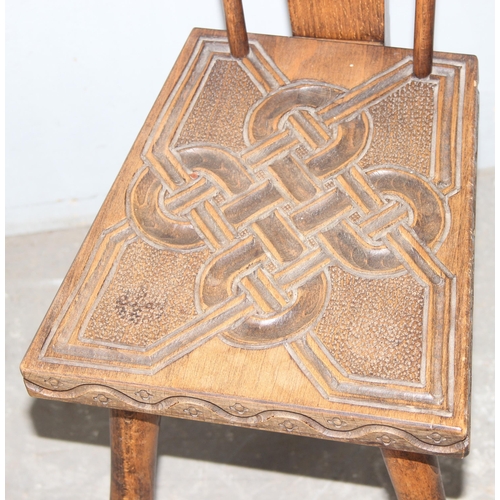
pixel 134 444
pixel 414 476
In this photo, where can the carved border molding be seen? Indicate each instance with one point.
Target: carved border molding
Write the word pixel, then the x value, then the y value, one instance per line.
pixel 271 420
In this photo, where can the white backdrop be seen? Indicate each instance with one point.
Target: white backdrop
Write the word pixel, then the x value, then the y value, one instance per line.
pixel 81 76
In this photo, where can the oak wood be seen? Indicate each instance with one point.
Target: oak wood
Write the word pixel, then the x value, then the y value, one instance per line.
pixel 134 444
pixel 356 20
pixel 232 375
pixel 424 37
pixel 414 476
pixel 236 29
pixel 287 247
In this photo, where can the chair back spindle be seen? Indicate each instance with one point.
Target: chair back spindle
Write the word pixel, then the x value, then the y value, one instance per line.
pixel 424 37
pixel 236 29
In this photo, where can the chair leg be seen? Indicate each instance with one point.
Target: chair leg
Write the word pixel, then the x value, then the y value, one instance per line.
pixel 414 476
pixel 134 445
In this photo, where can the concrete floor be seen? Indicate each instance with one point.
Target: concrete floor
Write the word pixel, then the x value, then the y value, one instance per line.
pixel 59 451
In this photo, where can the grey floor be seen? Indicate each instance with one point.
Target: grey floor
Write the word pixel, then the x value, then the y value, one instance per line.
pixel 60 451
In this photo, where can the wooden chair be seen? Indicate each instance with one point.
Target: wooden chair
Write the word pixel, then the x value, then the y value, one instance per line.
pixel 287 247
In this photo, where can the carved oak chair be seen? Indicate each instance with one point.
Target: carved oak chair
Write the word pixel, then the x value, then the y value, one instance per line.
pixel 287 247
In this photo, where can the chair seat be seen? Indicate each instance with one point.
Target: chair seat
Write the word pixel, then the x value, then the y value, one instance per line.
pixel 288 247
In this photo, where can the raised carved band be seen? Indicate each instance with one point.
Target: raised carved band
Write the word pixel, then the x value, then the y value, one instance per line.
pixel 275 420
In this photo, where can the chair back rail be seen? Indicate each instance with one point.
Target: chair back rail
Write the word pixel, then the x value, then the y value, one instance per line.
pixel 355 20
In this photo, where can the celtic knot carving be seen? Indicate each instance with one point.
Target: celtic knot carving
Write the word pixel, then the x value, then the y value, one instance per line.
pixel 295 201
pixel 265 211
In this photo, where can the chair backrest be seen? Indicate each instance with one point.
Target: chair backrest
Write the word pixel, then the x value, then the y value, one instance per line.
pixel 354 20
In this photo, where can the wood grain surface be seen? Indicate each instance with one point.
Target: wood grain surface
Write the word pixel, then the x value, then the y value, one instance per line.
pixel 288 246
pixel 424 37
pixel 236 29
pixel 414 476
pixel 134 444
pixel 356 20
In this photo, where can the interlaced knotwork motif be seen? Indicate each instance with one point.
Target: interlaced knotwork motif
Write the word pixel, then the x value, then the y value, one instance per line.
pixel 292 210
pixel 278 213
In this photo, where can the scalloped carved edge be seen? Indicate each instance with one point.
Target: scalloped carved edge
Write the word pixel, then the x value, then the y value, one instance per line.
pixel 271 420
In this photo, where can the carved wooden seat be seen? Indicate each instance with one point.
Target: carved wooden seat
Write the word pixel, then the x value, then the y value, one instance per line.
pixel 287 247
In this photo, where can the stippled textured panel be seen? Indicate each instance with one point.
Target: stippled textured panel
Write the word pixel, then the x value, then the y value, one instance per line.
pixel 134 310
pixel 224 99
pixel 402 128
pixel 390 345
